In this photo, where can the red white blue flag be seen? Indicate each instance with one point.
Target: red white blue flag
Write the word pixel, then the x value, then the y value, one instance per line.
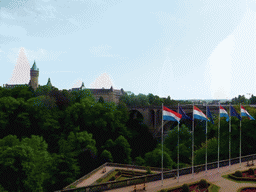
pixel 224 113
pixel 198 114
pixel 245 113
pixel 170 115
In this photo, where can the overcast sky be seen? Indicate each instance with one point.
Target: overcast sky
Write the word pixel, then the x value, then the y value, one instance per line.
pixel 200 49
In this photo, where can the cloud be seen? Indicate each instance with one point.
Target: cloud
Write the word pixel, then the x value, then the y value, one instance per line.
pixel 54 18
pixel 77 84
pixel 38 55
pixel 104 80
pixel 6 14
pixel 218 70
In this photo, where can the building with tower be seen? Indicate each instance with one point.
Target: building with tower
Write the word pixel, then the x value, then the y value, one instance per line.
pixel 109 95
pixel 34 74
pixel 33 82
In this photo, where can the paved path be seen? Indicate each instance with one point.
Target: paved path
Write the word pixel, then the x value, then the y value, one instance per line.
pixel 212 176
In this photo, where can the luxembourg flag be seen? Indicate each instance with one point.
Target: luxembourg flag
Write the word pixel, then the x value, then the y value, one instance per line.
pixel 170 115
pixel 198 114
pixel 245 113
pixel 223 113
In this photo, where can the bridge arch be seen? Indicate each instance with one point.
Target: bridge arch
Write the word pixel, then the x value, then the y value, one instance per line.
pixel 135 114
pixel 158 117
pixel 152 117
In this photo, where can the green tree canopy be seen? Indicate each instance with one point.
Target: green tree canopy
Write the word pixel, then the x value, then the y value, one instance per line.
pixel 25 164
pixel 154 158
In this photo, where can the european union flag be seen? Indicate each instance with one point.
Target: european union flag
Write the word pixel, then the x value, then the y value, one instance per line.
pixel 184 116
pixel 209 115
pixel 234 113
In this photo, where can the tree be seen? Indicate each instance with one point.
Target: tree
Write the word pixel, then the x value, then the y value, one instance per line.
pixel 106 156
pixel 139 161
pixel 42 90
pixel 43 102
pixel 154 158
pixel 101 100
pixel 25 163
pixel 61 100
pixel 252 100
pixel 78 95
pixel 80 149
pixel 24 92
pixel 171 142
pixel 121 151
pixel 212 152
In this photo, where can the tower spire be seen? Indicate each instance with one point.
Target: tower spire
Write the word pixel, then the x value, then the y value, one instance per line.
pixel 49 83
pixel 34 73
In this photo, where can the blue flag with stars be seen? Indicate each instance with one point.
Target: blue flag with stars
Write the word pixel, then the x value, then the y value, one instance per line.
pixel 234 113
pixel 209 115
pixel 184 116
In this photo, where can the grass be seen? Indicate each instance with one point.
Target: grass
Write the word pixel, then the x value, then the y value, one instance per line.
pixel 214 188
pixel 106 179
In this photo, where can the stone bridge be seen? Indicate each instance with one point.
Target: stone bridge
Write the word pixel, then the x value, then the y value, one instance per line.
pixel 152 115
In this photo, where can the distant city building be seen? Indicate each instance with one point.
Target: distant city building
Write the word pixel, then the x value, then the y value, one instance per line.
pixel 109 95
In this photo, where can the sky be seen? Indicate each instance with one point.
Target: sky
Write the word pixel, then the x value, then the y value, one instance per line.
pixel 184 49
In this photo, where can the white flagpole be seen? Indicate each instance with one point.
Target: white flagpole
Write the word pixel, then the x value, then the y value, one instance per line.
pixel 229 133
pixel 162 144
pixel 240 134
pixel 219 141
pixel 206 142
pixel 193 143
pixel 178 145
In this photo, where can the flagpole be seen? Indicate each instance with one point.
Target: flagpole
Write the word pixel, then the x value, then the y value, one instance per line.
pixel 240 134
pixel 219 141
pixel 206 141
pixel 193 143
pixel 229 133
pixel 178 145
pixel 162 144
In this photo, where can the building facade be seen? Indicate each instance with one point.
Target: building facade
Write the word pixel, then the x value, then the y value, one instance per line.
pixel 109 95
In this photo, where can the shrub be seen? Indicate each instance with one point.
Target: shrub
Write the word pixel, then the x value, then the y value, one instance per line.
pixel 163 190
pixel 112 178
pixel 238 174
pixel 185 188
pixel 251 171
pixel 99 180
pixel 148 170
pixel 72 186
pixel 203 183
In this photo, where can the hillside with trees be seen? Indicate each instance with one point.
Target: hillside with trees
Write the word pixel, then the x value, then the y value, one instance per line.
pixel 50 137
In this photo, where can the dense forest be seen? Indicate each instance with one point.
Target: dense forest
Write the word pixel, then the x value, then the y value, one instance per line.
pixel 50 137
